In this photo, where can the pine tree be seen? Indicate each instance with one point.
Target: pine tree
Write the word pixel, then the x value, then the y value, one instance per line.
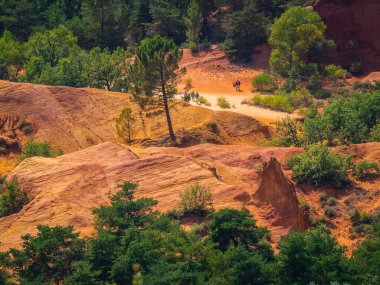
pixel 193 22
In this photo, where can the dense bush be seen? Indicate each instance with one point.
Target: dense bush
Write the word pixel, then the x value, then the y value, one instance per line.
pixel 12 198
pixel 33 148
pixel 263 82
pixel 335 72
pixel 282 101
pixel 204 101
pixel 320 165
pixel 366 169
pixel 196 200
pixel 223 103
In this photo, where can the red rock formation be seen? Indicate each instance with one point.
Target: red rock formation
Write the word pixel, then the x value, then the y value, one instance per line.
pixel 353 20
pixel 65 189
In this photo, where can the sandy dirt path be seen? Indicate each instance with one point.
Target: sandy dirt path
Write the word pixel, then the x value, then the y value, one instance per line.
pixel 265 116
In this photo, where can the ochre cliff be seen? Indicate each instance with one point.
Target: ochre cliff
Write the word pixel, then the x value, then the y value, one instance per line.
pixel 353 20
pixel 64 190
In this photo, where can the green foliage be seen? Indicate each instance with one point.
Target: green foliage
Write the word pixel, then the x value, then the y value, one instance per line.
pixel 33 148
pixel 106 69
pixel 233 227
pixel 158 59
pixel 263 82
pixel 296 36
pixel 194 23
pixel 320 165
pixel 51 45
pixel 283 101
pixel 374 135
pixel 366 169
pixel 335 72
pixel 223 103
pixel 246 28
pixel 124 213
pixel 125 124
pixel 286 133
pixel 312 256
pixel 11 56
pixel 196 200
pixel 12 198
pixel 367 258
pixel 48 256
pixel 204 101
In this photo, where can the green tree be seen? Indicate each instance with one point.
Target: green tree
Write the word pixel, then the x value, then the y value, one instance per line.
pixel 160 56
pixel 312 256
pixel 318 165
pixel 246 28
pixel 295 35
pixel 196 199
pixel 231 227
pixel 107 70
pixel 125 123
pixel 125 213
pixel 12 199
pixel 167 20
pixel 11 56
pixel 51 45
pixel 366 258
pixel 47 256
pixel 193 22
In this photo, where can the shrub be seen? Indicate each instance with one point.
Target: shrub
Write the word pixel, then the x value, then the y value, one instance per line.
pixel 278 102
pixel 263 82
pixel 335 72
pixel 286 133
pixel 125 124
pixel 196 200
pixel 204 101
pixel 213 126
pixel 374 135
pixel 188 83
pixel 329 211
pixel 12 199
pixel 319 165
pixel 331 202
pixel 356 67
pixel 33 148
pixel 223 103
pixel 323 198
pixel 366 169
pixel 193 46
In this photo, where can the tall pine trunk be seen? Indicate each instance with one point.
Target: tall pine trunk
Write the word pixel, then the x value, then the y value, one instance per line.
pixel 166 105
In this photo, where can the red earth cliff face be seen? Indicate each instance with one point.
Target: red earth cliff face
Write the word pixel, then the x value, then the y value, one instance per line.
pixel 356 20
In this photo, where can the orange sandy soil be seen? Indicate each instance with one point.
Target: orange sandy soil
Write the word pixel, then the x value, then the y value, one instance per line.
pixel 213 74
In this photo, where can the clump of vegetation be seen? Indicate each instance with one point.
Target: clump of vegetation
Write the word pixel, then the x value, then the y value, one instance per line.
pixel 12 198
pixel 334 72
pixel 125 124
pixel 298 40
pixel 365 169
pixel 204 101
pixel 320 165
pixel 213 126
pixel 278 102
pixel 223 103
pixel 188 84
pixel 195 200
pixel 263 82
pixel 282 101
pixel 33 148
pixel 363 222
pixel 353 119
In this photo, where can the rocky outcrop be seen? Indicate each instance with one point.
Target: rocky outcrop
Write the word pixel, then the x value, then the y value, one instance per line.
pixel 75 118
pixel 353 20
pixel 12 129
pixel 278 192
pixel 64 190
